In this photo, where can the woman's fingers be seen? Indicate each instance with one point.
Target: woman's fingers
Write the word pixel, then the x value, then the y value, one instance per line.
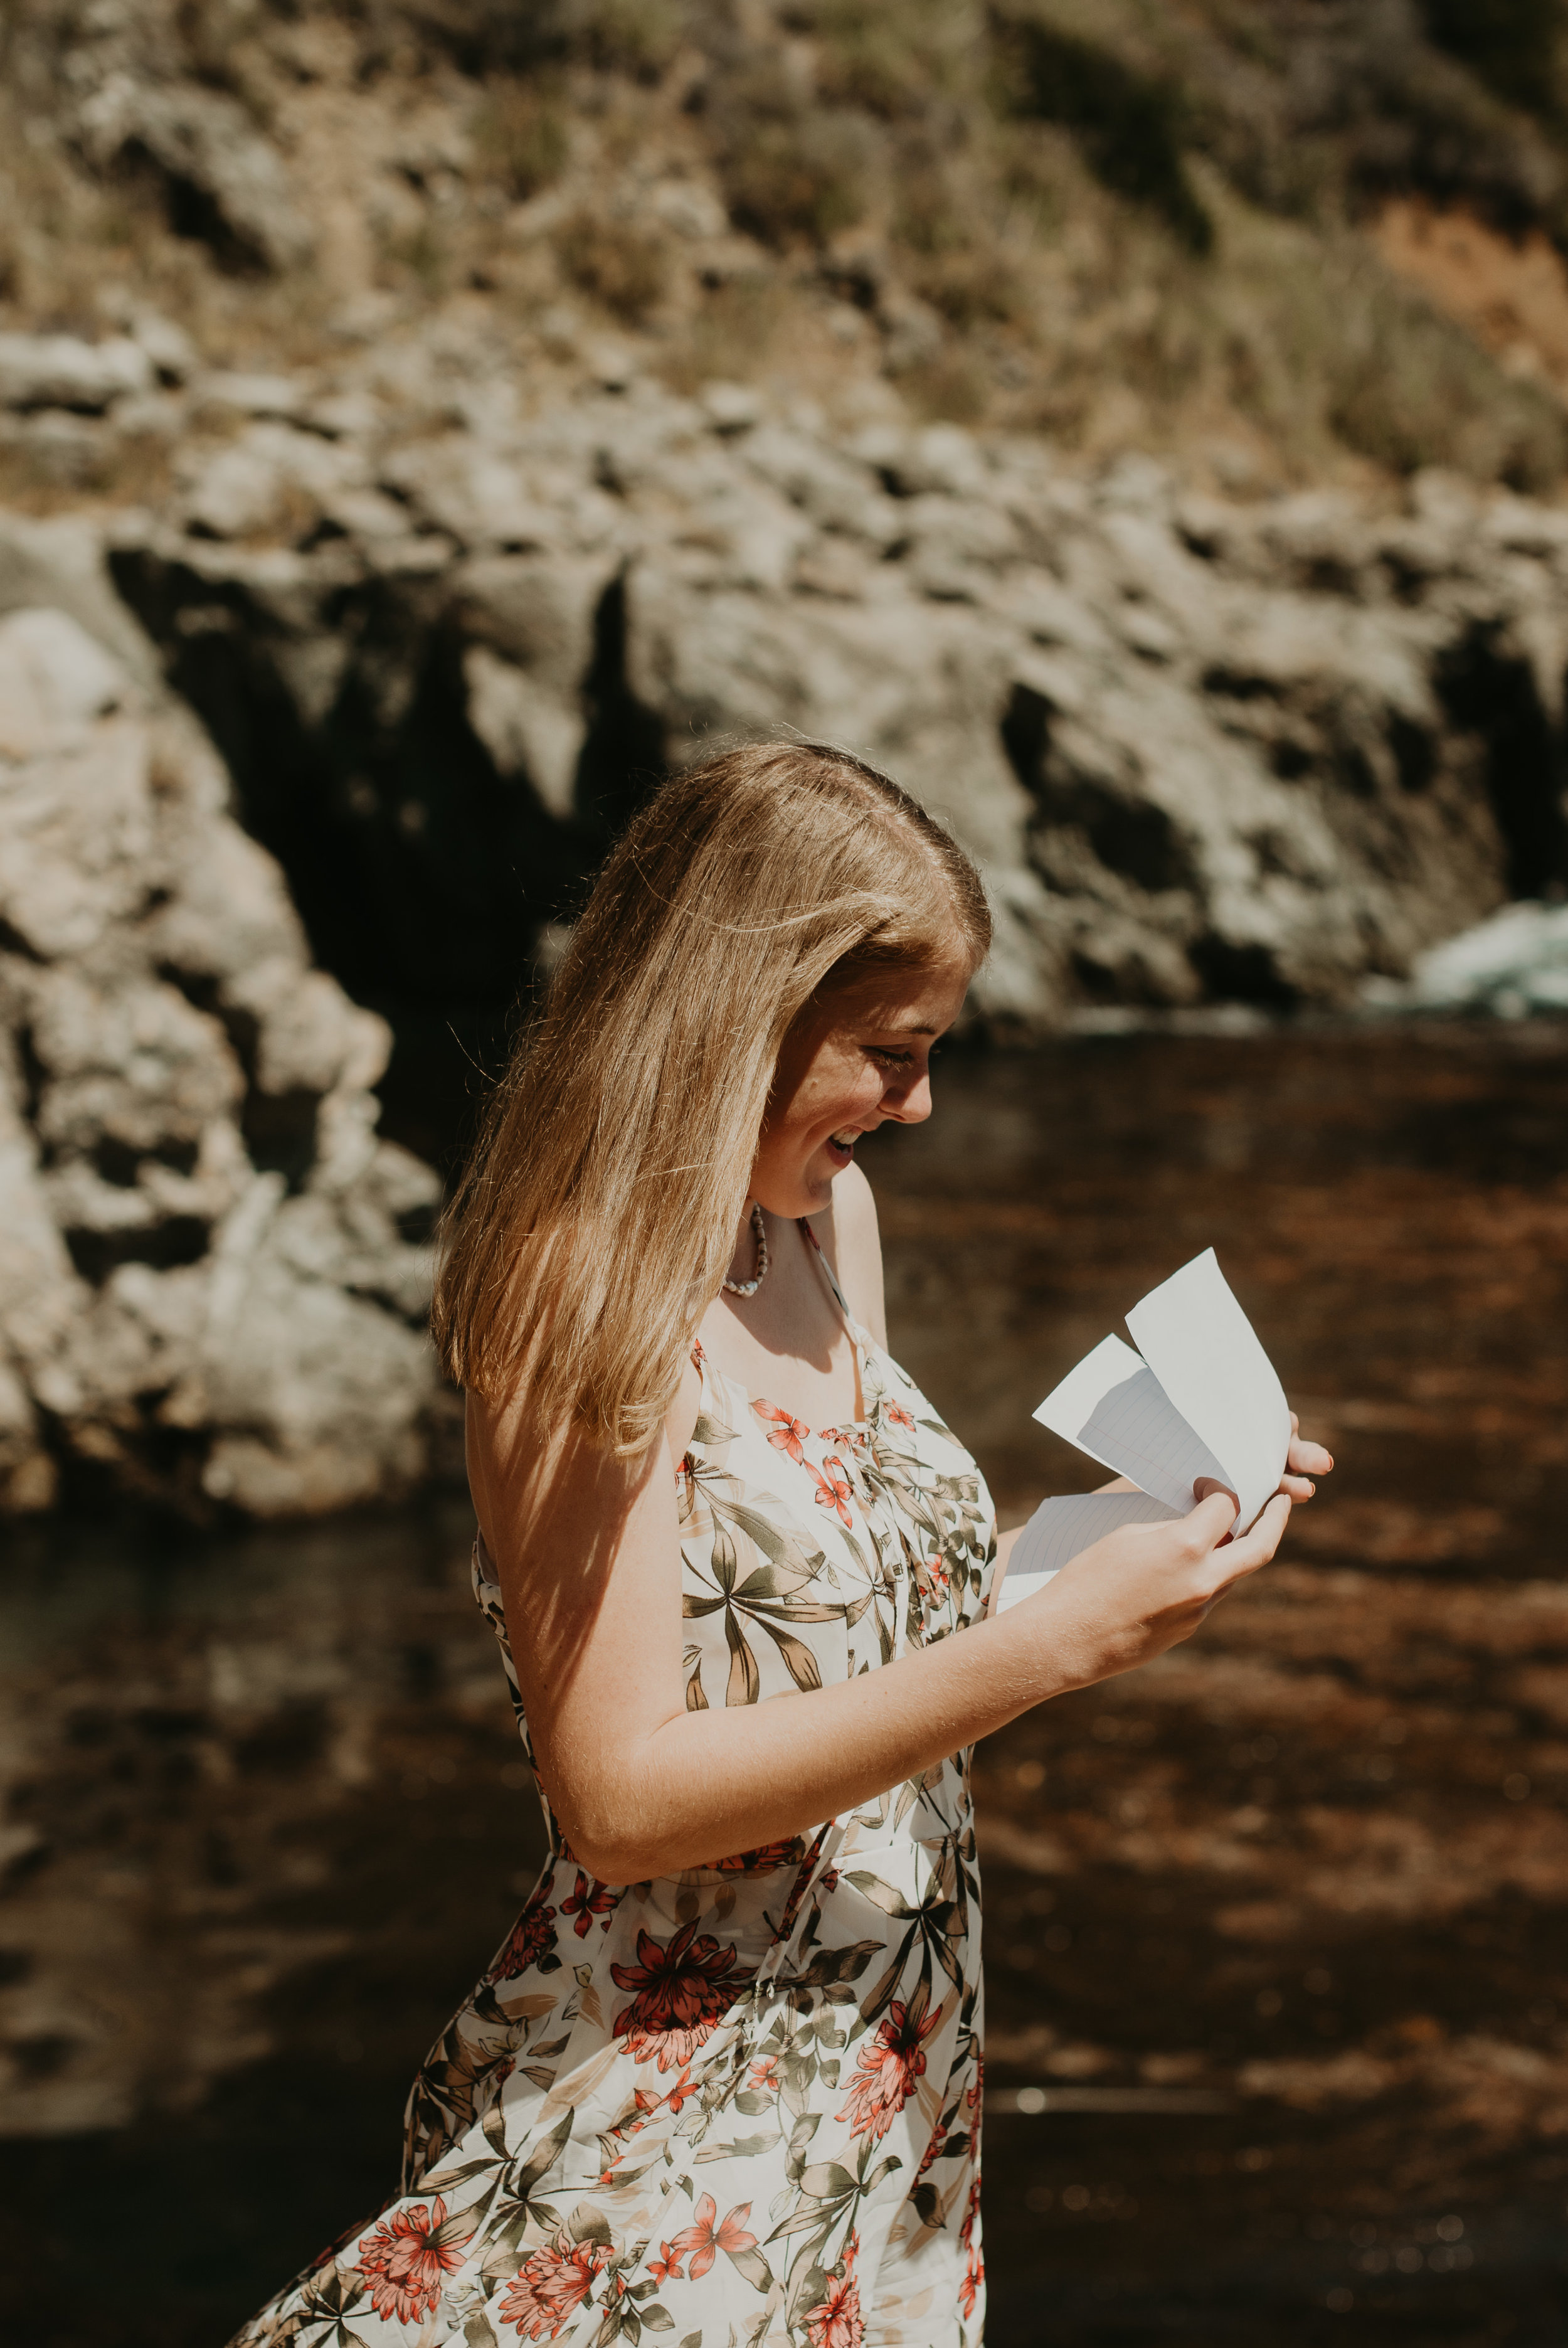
pixel 1210 1522
pixel 1255 1547
pixel 1304 1458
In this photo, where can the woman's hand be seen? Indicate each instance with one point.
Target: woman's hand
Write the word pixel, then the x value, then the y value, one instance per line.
pixel 1144 1588
pixel 1303 1461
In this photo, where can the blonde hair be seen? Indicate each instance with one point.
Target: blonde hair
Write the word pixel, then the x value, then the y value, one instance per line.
pixel 597 1217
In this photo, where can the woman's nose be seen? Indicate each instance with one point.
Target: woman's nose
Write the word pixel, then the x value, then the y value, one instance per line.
pixel 911 1104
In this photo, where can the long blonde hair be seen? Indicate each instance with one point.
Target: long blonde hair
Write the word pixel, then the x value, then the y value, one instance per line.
pixel 597 1217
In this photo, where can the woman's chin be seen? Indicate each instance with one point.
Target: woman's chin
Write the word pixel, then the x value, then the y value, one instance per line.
pixel 809 1190
pixel 815 1188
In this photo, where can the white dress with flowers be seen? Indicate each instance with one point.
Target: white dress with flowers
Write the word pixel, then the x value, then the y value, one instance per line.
pixel 740 2105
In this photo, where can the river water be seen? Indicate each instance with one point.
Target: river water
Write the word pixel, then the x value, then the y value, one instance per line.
pixel 1275 1929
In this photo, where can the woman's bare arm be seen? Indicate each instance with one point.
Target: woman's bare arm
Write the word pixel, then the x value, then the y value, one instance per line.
pixel 588 1551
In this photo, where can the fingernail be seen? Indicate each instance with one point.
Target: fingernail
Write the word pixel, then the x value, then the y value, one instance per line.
pixel 1311 1487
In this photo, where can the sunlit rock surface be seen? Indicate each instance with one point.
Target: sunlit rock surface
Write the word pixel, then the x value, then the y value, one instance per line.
pixel 211 1269
pixel 1204 751
pixel 1513 964
pixel 1266 753
pixel 445 637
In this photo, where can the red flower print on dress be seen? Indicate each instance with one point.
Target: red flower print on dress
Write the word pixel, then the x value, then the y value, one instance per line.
pixel 590 1899
pixel 932 2149
pixel 765 2075
pixel 407 2260
pixel 703 2240
pixel 666 2267
pixel 974 2260
pixel 836 2321
pixel 786 1433
pixel 890 2062
pixel 531 1937
pixel 648 2100
pixel 833 1488
pixel 758 1861
pixel 897 1413
pixel 552 2286
pixel 684 1988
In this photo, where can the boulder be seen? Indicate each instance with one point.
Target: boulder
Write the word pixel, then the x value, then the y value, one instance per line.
pixel 213 1273
pixel 1203 750
pixel 61 371
pixel 1512 964
pixel 220 179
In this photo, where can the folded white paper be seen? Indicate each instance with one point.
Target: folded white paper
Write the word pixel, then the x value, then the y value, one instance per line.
pixel 1199 1400
pixel 1205 1353
pixel 1061 1528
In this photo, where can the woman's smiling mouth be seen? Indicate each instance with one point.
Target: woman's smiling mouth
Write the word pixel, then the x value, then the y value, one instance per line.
pixel 840 1146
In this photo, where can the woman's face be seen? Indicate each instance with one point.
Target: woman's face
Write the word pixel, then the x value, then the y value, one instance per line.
pixel 861 1061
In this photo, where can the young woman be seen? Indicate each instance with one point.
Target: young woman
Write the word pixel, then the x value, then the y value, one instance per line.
pixel 723 2080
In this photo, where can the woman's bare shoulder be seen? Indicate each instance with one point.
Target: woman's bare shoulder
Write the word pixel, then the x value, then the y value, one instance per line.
pixel 852 1242
pixel 519 1464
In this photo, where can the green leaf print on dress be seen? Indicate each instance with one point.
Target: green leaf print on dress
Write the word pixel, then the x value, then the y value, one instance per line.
pixel 741 2104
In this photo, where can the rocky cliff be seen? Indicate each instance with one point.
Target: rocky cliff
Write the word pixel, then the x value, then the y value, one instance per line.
pixel 212 1270
pixel 1203 750
pixel 1206 752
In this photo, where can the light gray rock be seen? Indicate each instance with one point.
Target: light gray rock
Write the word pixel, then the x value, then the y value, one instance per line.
pixel 212 159
pixel 61 371
pixel 202 1328
pixel 60 565
pixel 42 1302
pixel 246 485
pixel 479 500
pixel 836 492
pixel 1512 964
pixel 1203 750
pixel 530 733
pixel 54 679
pixel 1205 753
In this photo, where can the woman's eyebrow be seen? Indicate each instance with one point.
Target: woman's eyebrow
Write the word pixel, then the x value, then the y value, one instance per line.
pixel 901 1026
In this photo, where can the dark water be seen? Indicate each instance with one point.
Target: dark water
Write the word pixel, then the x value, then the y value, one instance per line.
pixel 1309 1875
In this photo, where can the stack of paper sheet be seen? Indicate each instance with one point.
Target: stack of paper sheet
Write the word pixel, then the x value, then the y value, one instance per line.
pixel 1198 1400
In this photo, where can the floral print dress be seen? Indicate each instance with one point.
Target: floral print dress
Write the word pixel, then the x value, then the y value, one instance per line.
pixel 740 2105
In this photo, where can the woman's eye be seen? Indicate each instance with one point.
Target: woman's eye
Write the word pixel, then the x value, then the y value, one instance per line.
pixel 888 1057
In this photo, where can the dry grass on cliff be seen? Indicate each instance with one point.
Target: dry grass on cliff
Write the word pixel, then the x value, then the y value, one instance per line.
pixel 1118 223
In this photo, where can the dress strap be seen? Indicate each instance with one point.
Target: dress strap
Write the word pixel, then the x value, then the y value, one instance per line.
pixel 843 1301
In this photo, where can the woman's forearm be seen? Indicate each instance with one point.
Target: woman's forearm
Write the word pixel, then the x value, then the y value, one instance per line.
pixel 704 1784
pixel 689 1788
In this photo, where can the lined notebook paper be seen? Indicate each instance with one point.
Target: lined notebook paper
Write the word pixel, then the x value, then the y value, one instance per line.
pixel 1199 1400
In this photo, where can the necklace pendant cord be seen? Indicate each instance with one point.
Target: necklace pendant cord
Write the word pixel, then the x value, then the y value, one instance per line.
pixel 750 1287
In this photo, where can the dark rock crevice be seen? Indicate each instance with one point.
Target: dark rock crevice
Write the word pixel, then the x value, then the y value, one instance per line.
pixel 422 873
pixel 624 752
pixel 1490 690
